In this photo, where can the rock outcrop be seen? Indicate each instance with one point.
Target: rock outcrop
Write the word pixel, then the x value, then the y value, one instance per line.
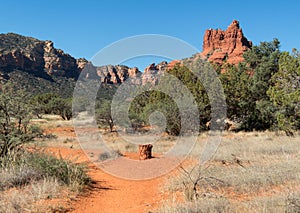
pixel 111 74
pixel 152 72
pixel 228 45
pixel 81 62
pixel 59 63
pixel 39 57
pixel 116 74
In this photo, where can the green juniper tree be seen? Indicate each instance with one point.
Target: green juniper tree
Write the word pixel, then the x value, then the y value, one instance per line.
pixel 285 92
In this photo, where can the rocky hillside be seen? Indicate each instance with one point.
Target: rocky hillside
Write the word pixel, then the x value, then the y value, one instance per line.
pixel 228 45
pixel 116 74
pixel 37 57
pixel 40 58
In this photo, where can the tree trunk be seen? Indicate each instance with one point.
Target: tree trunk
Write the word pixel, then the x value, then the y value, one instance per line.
pixel 145 151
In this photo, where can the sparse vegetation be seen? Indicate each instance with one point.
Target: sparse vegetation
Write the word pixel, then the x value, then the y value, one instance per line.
pixel 34 174
pixel 24 198
pixel 249 171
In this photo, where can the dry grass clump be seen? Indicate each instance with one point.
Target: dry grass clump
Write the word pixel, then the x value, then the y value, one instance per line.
pixel 205 205
pixel 23 199
pixel 250 172
pixel 33 176
pixel 293 202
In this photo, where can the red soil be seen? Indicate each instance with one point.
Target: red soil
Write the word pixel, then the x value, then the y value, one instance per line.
pixel 112 194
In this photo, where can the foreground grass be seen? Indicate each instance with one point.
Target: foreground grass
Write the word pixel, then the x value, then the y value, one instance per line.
pixel 250 172
pixel 29 177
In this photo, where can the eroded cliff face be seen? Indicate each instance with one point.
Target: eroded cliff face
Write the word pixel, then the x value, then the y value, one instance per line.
pixel 59 63
pixel 116 74
pixel 41 57
pixel 32 55
pixel 229 45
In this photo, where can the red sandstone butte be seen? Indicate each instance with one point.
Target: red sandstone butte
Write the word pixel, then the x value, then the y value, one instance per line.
pixel 229 45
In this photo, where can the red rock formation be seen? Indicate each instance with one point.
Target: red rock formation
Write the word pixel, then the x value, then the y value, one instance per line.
pixel 35 56
pixel 116 74
pixel 172 64
pixel 153 72
pixel 229 45
pixel 133 72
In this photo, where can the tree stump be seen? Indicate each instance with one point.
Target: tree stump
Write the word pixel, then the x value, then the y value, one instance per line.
pixel 145 151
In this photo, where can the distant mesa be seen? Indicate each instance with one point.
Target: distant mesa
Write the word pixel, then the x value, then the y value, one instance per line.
pixel 229 45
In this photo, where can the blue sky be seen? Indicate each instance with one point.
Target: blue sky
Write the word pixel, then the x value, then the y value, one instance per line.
pixel 82 28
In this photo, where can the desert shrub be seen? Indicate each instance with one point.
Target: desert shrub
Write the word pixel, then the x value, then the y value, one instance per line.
pixel 27 167
pixel 67 172
pixel 15 115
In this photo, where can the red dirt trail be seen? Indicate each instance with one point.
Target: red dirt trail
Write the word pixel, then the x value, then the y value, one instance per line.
pixel 110 194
